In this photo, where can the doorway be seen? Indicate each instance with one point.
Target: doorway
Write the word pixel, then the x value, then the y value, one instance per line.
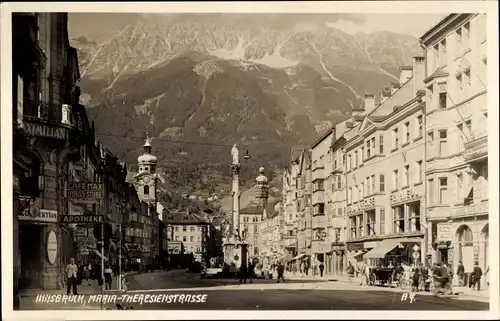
pixel 30 240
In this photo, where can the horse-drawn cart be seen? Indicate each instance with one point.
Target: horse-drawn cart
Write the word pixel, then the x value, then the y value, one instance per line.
pixel 381 276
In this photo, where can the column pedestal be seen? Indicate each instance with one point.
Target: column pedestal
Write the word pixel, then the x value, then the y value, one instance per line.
pixel 234 254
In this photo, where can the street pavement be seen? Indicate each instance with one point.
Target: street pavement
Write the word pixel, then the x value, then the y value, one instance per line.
pixel 296 294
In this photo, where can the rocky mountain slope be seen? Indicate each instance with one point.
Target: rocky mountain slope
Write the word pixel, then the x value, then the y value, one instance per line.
pixel 206 81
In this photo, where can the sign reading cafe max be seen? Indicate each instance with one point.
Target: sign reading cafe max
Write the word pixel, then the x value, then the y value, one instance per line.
pixel 85 191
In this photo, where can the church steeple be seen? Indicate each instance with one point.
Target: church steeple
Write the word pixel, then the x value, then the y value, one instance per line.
pixel 147 162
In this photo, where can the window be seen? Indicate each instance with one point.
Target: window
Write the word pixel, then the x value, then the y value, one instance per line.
pixel 372 189
pixel 399 219
pixel 349 195
pixel 361 155
pixel 192 229
pixel 485 179
pixel 458 34
pixel 352 221
pixel 176 238
pixel 468 125
pixel 382 183
pixel 177 229
pixel 407 132
pixel 322 161
pixel 443 96
pixel 460 182
pixel 339 182
pixel 460 85
pixel 395 138
pixel 381 144
pixel 349 163
pixel 368 186
pixel 146 190
pixel 443 143
pixel 184 228
pixel 442 56
pixel 319 185
pixel 361 231
pixel 430 96
pixel 460 135
pixel 382 222
pixel 192 238
pixel 418 171
pixel 368 151
pixel 395 180
pixel 430 188
pixel 370 220
pixel 443 190
pixel 361 191
pixel 256 229
pixel 406 171
pixel 355 159
pixel 184 238
pixel 414 212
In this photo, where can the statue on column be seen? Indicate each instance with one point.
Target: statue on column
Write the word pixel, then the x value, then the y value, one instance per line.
pixel 236 154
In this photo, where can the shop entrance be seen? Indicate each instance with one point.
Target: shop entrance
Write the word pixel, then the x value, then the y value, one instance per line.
pixel 30 240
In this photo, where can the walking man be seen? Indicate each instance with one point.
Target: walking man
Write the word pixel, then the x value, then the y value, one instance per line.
pixel 321 269
pixel 281 272
pixel 243 273
pixel 478 272
pixel 460 273
pixel 72 273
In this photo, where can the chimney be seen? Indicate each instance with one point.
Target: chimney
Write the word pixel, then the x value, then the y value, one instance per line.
pixel 418 73
pixel 369 102
pixel 394 86
pixel 405 74
pixel 386 93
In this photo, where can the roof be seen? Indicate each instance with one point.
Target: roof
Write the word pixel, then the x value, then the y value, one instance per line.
pixel 183 218
pixel 399 98
pixel 252 209
pixel 323 136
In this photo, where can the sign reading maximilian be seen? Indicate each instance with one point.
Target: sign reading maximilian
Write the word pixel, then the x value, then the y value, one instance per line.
pixel 85 191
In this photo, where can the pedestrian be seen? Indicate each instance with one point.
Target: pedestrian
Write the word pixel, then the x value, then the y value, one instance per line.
pixel 450 273
pixel 80 274
pixel 90 275
pixel 243 273
pixel 350 272
pixel 251 271
pixel 321 269
pixel 281 272
pixel 72 274
pixel 477 272
pixel 461 273
pixel 108 277
pixel 415 279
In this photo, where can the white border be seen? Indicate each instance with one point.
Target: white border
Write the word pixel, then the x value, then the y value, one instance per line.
pixel 385 7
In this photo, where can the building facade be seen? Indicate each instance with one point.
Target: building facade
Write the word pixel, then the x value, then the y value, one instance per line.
pixel 457 139
pixel 270 239
pixel 385 196
pixel 321 200
pixel 189 232
pixel 304 200
pixel 46 113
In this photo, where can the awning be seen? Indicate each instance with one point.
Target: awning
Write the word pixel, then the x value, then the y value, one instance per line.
pixel 382 248
pixel 297 257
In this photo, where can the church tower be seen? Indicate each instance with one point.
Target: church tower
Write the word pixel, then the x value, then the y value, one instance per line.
pixel 146 176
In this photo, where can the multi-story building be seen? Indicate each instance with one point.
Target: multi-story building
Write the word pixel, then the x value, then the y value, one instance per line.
pixel 321 199
pixel 250 218
pixel 269 238
pixel 344 131
pixel 456 132
pixel 290 209
pixel 384 173
pixel 192 230
pixel 304 200
pixel 47 116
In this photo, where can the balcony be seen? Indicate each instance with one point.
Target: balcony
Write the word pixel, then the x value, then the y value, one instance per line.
pixel 481 207
pixel 318 196
pixel 476 149
pixel 318 173
pixel 318 246
pixel 320 221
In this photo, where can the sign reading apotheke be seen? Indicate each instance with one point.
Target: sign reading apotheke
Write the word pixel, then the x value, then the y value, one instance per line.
pixel 85 191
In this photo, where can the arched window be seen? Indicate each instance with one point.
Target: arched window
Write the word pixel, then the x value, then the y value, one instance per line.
pixel 146 190
pixel 465 235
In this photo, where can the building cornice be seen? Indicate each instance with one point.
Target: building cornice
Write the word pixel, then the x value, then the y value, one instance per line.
pixel 438 30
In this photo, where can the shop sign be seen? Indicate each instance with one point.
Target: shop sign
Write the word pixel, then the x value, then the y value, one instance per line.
pixel 84 191
pixel 82 219
pixel 44 131
pixel 370 245
pixel 46 216
pixel 444 232
pixel 52 247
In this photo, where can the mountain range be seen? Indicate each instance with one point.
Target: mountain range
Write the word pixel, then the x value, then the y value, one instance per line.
pixel 213 83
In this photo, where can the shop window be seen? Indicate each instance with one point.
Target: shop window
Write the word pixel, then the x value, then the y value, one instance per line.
pixel 370 227
pixel 414 210
pixel 382 222
pixel 399 219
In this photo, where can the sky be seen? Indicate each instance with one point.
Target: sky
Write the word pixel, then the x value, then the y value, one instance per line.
pixel 411 24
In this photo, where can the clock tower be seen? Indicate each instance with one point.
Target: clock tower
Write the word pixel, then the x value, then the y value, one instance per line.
pixel 146 176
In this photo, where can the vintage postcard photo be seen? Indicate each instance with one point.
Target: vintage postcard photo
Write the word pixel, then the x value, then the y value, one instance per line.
pixel 211 158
